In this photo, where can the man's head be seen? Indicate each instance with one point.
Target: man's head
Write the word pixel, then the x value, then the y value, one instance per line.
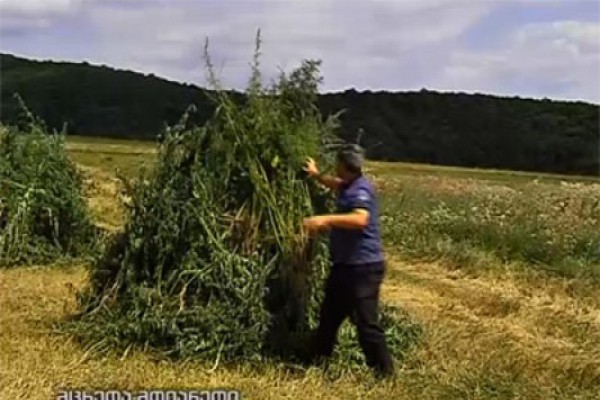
pixel 350 159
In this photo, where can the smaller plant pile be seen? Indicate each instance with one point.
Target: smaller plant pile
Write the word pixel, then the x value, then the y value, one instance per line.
pixel 43 214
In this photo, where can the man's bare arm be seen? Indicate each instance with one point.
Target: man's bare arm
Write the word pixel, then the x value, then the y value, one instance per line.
pixel 358 219
pixel 332 182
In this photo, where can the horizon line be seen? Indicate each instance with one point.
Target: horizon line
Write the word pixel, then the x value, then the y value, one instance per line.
pixel 339 91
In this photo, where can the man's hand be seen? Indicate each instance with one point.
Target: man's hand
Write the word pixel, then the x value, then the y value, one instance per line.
pixel 332 182
pixel 311 167
pixel 316 224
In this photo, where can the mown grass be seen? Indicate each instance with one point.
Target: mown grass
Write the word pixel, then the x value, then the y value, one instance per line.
pixel 111 155
pixel 497 323
pixel 485 338
pixel 396 169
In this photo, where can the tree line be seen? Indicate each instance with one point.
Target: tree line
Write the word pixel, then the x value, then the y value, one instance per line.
pixel 472 130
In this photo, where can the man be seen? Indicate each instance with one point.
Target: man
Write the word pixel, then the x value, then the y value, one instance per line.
pixel 352 288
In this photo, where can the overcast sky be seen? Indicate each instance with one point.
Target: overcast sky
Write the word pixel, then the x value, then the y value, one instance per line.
pixel 529 48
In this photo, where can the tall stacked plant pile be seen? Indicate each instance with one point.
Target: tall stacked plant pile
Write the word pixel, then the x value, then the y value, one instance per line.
pixel 43 214
pixel 212 260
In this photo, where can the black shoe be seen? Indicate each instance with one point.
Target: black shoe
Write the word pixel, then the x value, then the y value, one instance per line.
pixel 312 358
pixel 384 373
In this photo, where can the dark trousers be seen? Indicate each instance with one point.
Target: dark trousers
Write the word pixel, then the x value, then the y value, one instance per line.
pixel 353 291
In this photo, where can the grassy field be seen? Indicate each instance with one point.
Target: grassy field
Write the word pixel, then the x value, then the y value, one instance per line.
pixel 501 268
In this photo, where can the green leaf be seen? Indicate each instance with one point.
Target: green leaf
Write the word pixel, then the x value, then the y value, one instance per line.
pixel 275 161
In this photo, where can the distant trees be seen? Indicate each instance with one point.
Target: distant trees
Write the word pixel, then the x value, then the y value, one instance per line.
pixel 473 130
pixel 425 126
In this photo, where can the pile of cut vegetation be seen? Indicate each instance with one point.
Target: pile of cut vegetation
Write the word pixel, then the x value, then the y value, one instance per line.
pixel 43 213
pixel 212 262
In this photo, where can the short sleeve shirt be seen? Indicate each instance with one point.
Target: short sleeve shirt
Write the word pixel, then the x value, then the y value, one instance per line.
pixel 351 246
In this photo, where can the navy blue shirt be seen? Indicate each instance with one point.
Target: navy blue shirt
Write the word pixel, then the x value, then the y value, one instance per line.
pixel 353 246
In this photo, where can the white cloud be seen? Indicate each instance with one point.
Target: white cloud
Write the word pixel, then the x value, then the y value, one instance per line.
pixel 32 14
pixel 36 7
pixel 356 40
pixel 560 59
pixel 585 36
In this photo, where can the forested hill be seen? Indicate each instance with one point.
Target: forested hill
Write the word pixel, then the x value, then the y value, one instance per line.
pixel 452 129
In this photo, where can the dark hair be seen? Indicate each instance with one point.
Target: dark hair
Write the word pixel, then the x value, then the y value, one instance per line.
pixel 352 156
